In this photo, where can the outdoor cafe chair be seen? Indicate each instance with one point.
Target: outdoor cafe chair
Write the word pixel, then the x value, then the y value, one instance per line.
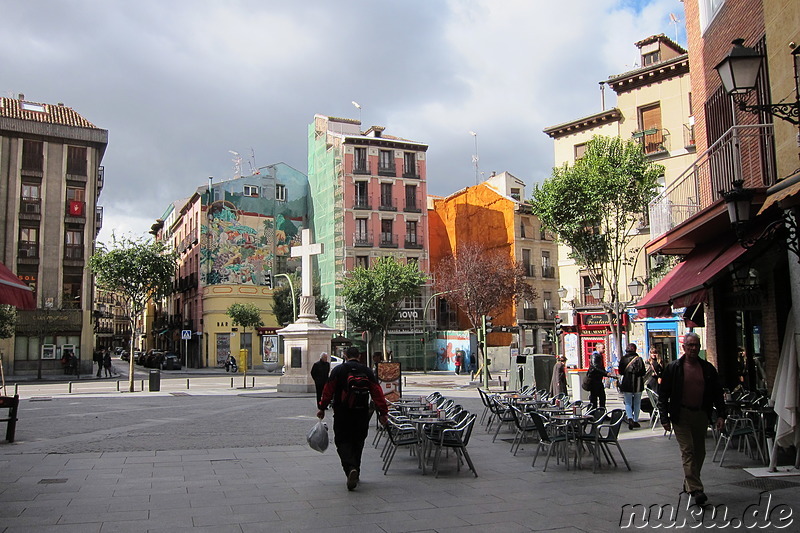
pixel 525 426
pixel 742 429
pixel 503 415
pixel 456 438
pixel 486 404
pixel 606 434
pixel 399 435
pixel 655 416
pixel 551 437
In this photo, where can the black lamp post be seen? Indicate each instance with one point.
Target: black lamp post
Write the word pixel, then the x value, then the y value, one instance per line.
pixel 738 72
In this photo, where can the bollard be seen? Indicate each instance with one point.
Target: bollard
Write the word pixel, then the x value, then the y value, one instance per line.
pixel 117 385
pixel 16 389
pixel 70 387
pixel 231 382
pixel 141 385
pixel 187 383
pixel 253 383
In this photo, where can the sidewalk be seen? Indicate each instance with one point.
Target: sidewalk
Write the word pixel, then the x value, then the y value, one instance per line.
pixel 290 488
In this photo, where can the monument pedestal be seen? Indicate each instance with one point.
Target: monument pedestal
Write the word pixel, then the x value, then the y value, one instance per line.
pixel 303 341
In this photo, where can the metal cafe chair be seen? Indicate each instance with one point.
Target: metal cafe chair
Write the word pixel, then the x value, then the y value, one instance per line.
pixel 551 437
pixel 456 438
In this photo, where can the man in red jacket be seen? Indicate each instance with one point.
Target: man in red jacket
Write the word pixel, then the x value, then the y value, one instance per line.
pixel 349 387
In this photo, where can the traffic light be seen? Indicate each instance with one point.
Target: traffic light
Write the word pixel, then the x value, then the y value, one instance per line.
pixel 558 321
pixel 486 325
pixel 268 279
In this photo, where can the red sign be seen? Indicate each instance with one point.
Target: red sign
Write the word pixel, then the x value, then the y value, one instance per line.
pixel 75 208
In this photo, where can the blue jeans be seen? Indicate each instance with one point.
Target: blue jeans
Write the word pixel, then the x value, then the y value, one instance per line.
pixel 633 400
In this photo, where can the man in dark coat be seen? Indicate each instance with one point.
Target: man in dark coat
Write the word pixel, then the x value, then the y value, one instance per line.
pixel 319 373
pixel 689 391
pixel 351 422
pixel 632 370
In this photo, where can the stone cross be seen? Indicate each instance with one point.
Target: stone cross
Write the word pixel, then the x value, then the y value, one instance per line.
pixel 306 250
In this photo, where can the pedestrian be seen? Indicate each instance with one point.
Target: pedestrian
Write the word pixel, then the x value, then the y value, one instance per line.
pixel 458 360
pixel 596 373
pixel 107 363
pixel 98 358
pixel 654 370
pixel 473 367
pixel 690 390
pixel 632 370
pixel 319 373
pixel 558 384
pixel 350 386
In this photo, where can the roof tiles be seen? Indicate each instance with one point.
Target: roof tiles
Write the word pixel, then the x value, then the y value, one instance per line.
pixel 45 113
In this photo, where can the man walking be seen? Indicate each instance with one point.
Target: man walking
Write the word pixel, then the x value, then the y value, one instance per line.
pixel 350 386
pixel 319 373
pixel 632 369
pixel 689 390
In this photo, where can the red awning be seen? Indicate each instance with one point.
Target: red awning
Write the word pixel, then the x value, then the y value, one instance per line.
pixel 13 291
pixel 686 284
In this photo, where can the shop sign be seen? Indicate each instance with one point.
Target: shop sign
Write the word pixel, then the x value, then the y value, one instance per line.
pixel 599 320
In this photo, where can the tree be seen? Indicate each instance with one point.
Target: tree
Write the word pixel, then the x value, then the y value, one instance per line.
pixel 373 296
pixel 8 319
pixel 137 270
pixel 594 207
pixel 248 316
pixel 282 303
pixel 481 281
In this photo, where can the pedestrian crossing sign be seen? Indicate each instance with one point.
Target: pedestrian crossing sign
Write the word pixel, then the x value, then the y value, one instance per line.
pixel 186 334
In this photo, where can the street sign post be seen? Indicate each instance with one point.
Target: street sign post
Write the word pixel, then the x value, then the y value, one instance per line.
pixel 186 335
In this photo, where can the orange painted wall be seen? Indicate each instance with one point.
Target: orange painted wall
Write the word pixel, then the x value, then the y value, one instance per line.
pixel 475 214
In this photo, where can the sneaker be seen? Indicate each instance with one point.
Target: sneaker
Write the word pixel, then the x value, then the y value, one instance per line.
pixel 699 497
pixel 631 424
pixel 352 479
pixel 636 424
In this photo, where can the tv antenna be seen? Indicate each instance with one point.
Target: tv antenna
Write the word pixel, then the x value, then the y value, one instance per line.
pixel 237 164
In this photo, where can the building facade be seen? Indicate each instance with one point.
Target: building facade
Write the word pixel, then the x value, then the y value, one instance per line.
pixel 368 193
pixel 653 107
pixel 50 183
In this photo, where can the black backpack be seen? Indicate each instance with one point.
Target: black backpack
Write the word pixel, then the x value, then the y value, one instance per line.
pixel 355 393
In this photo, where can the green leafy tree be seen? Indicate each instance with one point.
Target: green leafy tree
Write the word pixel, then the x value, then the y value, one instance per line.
pixel 248 316
pixel 373 296
pixel 594 207
pixel 8 319
pixel 137 270
pixel 282 302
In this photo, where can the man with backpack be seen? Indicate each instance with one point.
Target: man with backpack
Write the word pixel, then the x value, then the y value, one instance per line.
pixel 350 387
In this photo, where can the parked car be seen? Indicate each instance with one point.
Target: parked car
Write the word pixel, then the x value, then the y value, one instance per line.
pixel 153 358
pixel 170 361
pixel 141 358
pixel 335 361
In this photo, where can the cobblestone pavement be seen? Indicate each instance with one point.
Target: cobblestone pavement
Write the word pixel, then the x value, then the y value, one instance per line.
pixel 217 459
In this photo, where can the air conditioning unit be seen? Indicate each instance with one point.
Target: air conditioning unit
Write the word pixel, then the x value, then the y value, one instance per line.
pixel 31 208
pixel 23 252
pixel 567 318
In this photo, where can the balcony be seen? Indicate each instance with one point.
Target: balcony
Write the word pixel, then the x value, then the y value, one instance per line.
pixel 101 178
pixel 413 242
pixel 388 240
pixel 688 137
pixel 73 252
pixel 362 167
pixel 98 218
pixel 530 314
pixel 387 204
pixel 363 239
pixel 362 201
pixel 529 270
pixel 412 205
pixel 411 172
pixel 28 250
pixel 30 206
pixel 387 170
pixel 548 272
pixel 743 152
pixel 654 140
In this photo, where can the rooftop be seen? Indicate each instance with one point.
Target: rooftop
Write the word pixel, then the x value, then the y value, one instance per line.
pixel 21 109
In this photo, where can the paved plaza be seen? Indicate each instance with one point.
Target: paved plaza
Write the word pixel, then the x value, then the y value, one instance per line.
pixel 211 458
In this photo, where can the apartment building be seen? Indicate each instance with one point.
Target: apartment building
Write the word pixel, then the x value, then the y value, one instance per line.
pixel 368 192
pixel 653 107
pixel 50 183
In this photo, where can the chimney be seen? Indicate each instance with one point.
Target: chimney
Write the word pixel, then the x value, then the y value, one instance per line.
pixel 21 96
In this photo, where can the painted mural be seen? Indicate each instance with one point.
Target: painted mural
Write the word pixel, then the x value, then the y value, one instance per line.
pixel 246 237
pixel 447 343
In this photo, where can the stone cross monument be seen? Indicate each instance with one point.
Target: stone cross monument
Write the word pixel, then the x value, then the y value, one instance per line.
pixel 305 339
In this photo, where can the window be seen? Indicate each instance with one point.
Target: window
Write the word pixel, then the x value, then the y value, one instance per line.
pixel 361 237
pixel 360 161
pixel 411 199
pixel 708 10
pixel 411 233
pixel 410 164
pixel 650 132
pixel 523 221
pixel 515 193
pixel 72 289
pixel 651 59
pixel 548 271
pixel 547 303
pixel 387 238
pixel 73 245
pixel 76 194
pixel 580 149
pixel 280 192
pixel 526 263
pixel 385 162
pixel 76 160
pixel 33 155
pixel 75 201
pixel 31 198
pixel 361 201
pixel 28 242
pixel 386 196
pixel 252 190
pixel 362 261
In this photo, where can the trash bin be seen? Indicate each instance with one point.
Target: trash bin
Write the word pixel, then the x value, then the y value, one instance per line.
pixel 155 380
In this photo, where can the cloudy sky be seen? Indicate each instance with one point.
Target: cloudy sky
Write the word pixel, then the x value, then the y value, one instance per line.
pixel 179 83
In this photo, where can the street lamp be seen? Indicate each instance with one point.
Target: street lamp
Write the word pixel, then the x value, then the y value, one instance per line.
pixel 635 288
pixel 739 72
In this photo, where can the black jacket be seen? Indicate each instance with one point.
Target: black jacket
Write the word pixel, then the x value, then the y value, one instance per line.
pixel 632 369
pixel 670 392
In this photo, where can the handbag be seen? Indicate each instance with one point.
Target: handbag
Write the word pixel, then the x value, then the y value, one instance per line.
pixel 586 383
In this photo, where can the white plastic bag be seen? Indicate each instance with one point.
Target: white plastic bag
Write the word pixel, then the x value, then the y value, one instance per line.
pixel 318 437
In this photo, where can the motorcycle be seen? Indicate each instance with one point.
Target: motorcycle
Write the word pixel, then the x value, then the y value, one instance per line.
pixel 231 366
